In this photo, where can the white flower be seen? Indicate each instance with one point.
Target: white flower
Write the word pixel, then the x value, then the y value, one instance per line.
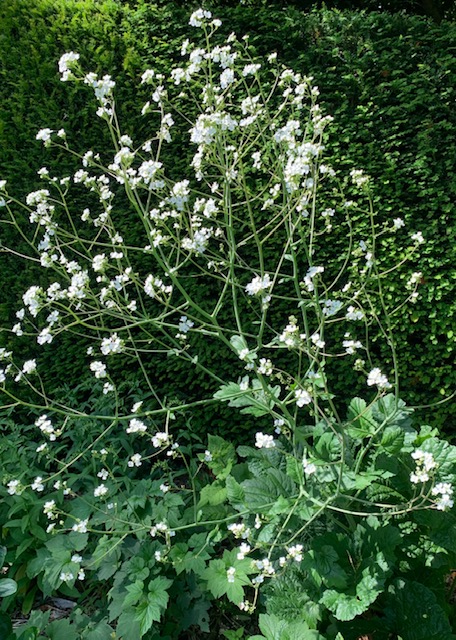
pixel 244 549
pixel 29 366
pixel 81 526
pixel 185 324
pixel 108 387
pixel 113 344
pixel 98 368
pixel 99 491
pixel 197 18
pixel 258 285
pixel 309 467
pixel 44 135
pixel 239 530
pixel 103 474
pixel 76 558
pixel 207 456
pixel 265 367
pixel 444 491
pixel 66 576
pixel 418 237
pixel 136 426
pixel 164 488
pixel 377 378
pixel 14 487
pixel 49 509
pixel 310 275
pixel 263 441
pixel 398 223
pixel 147 76
pixel 354 314
pixel 161 439
pixel 358 177
pixel 295 552
pixel 302 397
pixel 37 484
pixel 66 62
pixel 135 460
pixel 226 78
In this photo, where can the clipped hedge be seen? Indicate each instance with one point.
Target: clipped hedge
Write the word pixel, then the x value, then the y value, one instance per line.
pixel 388 80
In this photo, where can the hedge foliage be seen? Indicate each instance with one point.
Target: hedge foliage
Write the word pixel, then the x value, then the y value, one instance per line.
pixel 388 80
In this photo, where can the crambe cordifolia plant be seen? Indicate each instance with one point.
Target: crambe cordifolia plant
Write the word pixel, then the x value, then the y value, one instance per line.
pixel 327 514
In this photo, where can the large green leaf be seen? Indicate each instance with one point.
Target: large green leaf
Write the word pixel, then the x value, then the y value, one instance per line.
pixel 260 493
pixel 412 613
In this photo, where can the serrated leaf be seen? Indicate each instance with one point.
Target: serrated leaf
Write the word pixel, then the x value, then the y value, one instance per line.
pixel 135 592
pixel 392 439
pixel 261 493
pixel 150 609
pixel 212 494
pixel 234 491
pixel 361 423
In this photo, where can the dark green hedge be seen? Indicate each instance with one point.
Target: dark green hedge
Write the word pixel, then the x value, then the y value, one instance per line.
pixel 388 80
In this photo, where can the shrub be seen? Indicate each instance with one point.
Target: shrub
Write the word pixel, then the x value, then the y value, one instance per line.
pixel 332 525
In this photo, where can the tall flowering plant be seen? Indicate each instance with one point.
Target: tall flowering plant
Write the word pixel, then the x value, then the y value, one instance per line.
pixel 325 512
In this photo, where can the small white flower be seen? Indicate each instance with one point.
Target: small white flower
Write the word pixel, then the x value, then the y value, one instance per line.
pixel 37 484
pixel 309 467
pixel 207 456
pixel 100 491
pixel 398 223
pixel 263 441
pixel 295 552
pixel 14 487
pixel 160 439
pixel 302 397
pixel 136 426
pixel 418 237
pixel 164 488
pixel 98 368
pixel 135 460
pixel 29 366
pixel 244 549
pixel 258 285
pixel 377 378
pixel 66 576
pixel 137 406
pixel 113 344
pixel 76 558
pixel 81 526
